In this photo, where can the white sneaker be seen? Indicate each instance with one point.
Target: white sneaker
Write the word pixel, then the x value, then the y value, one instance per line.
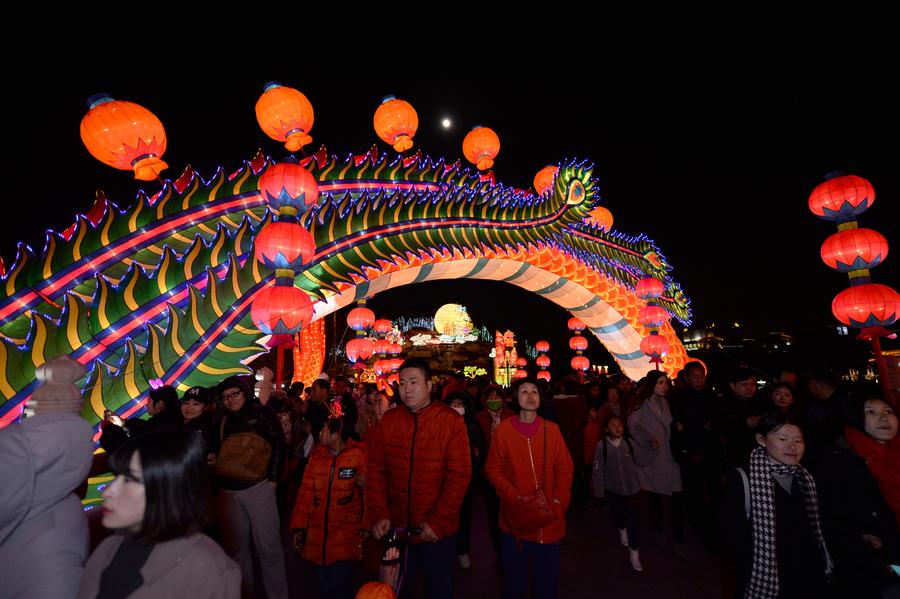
pixel 623 537
pixel 464 561
pixel 635 558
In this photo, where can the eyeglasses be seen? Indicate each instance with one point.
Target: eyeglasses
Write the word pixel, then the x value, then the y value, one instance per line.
pixel 230 396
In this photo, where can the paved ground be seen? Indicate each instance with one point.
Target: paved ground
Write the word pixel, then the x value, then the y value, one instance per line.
pixel 594 565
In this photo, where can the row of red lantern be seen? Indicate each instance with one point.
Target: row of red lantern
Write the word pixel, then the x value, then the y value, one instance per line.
pixel 542 361
pixel 363 348
pixel 652 316
pixel 578 343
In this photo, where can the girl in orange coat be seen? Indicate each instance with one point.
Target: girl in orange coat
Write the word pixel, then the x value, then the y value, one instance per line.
pixel 329 517
pixel 528 452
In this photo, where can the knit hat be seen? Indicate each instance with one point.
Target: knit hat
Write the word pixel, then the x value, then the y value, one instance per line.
pixel 375 590
pixel 201 394
pixel 58 392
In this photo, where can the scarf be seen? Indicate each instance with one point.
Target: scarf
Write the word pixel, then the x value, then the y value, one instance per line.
pixel 883 462
pixel 763 582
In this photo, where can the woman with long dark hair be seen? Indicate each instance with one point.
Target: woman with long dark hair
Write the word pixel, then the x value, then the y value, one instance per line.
pixel 159 503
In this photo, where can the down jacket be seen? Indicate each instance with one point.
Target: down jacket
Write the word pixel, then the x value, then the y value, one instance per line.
pixel 515 462
pixel 419 469
pixel 329 505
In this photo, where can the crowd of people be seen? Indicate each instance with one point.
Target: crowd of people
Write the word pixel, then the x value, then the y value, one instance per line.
pixel 798 483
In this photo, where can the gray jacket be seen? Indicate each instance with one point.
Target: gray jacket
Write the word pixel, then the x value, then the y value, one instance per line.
pixel 654 420
pixel 617 471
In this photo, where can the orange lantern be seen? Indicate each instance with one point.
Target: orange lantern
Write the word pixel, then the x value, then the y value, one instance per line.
pixel 383 326
pixel 125 136
pixel 580 363
pixel 576 324
pixel 285 115
pixel 601 217
pixel 481 146
pixel 543 180
pixel 542 346
pixel 578 343
pixel 382 346
pixel 359 349
pixel 521 362
pixel 396 122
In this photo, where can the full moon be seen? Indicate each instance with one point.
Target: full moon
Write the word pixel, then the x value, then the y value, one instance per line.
pixel 445 123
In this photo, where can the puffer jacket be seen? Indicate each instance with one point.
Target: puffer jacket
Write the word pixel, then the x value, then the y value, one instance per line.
pixel 419 469
pixel 330 505
pixel 515 462
pixel 255 418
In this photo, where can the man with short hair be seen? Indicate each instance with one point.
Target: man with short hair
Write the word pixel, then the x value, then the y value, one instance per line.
pixel 740 415
pixel 418 473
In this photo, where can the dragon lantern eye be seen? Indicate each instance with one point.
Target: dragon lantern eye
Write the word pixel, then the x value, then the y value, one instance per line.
pixel 576 193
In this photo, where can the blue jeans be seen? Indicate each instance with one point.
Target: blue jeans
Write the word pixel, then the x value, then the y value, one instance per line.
pixel 545 564
pixel 334 580
pixel 437 561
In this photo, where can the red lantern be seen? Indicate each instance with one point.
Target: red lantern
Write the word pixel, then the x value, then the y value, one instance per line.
pixel 383 326
pixel 601 217
pixel 481 146
pixel 653 316
pixel 359 349
pixel 284 245
pixel 867 305
pixel 394 349
pixel 396 363
pixel 578 343
pixel 396 122
pixel 382 346
pixel 521 362
pixel 649 288
pixel 580 363
pixel 125 136
pixel 544 375
pixel 281 310
pixel 393 379
pixel 543 180
pixel 854 249
pixel 360 319
pixel 520 374
pixel 841 199
pixel 655 346
pixel 288 184
pixel 285 115
pixel 542 362
pixel 381 367
pixel 576 324
pixel 542 346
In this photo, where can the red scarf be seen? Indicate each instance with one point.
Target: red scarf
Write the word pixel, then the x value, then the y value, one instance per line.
pixel 883 462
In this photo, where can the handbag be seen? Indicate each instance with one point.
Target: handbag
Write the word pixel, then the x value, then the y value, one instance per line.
pixel 533 511
pixel 243 457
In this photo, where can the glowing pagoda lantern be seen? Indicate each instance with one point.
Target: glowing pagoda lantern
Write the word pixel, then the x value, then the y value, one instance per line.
pixel 481 146
pixel 521 362
pixel 125 136
pixel 383 326
pixel 600 217
pixel 655 346
pixel 520 374
pixel 543 180
pixel 854 249
pixel 649 288
pixel 578 343
pixel 396 122
pixel 653 316
pixel 543 375
pixel 542 362
pixel 867 305
pixel 284 245
pixel 576 324
pixel 285 115
pixel 542 347
pixel 288 185
pixel 359 349
pixel 580 363
pixel 842 198
pixel 281 310
pixel 360 318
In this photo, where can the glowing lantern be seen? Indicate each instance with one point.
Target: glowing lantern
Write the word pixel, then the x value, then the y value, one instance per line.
pixel 396 122
pixel 394 349
pixel 578 343
pixel 649 288
pixel 382 346
pixel 288 184
pixel 576 324
pixel 542 362
pixel 125 136
pixel 285 115
pixel 383 326
pixel 653 316
pixel 521 362
pixel 842 198
pixel 520 374
pixel 281 310
pixel 655 346
pixel 544 375
pixel 542 346
pixel 543 180
pixel 381 367
pixel 601 217
pixel 867 305
pixel 393 379
pixel 284 245
pixel 359 349
pixel 396 363
pixel 481 146
pixel 854 249
pixel 360 318
pixel 580 363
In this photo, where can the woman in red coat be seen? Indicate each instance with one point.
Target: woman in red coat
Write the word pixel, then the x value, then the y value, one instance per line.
pixel 528 453
pixel 328 517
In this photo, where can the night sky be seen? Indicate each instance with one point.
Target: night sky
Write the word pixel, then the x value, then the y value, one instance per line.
pixel 708 130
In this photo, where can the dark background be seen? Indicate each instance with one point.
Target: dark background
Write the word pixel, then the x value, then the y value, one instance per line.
pixel 708 128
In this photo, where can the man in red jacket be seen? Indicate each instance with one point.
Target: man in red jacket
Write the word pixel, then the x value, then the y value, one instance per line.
pixel 419 470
